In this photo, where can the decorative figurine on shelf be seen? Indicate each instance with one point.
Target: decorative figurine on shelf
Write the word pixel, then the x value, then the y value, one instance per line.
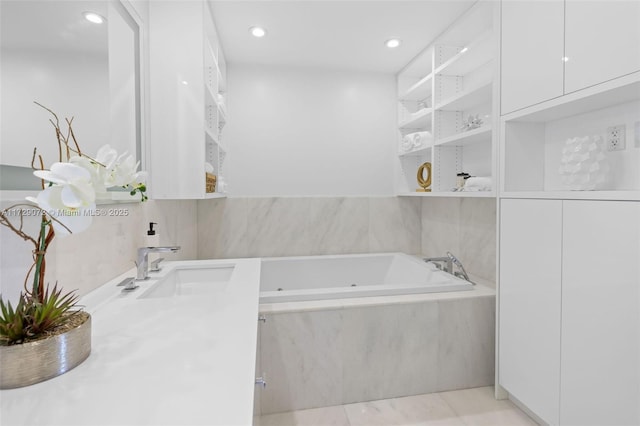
pixel 584 165
pixel 472 122
pixel 424 182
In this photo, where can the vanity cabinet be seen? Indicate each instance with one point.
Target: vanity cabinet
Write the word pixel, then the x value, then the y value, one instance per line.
pixel 569 318
pixel 556 47
pixel 451 82
pixel 187 109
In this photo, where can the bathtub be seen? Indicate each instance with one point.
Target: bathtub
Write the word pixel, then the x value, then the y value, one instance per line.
pixel 304 278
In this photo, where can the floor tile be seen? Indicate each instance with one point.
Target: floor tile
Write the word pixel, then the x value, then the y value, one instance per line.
pixel 478 407
pixel 412 410
pixel 327 416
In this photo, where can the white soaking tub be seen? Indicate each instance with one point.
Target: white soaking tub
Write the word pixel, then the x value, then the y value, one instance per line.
pixel 303 278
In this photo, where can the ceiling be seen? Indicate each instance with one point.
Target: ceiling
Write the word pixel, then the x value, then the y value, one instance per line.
pixel 52 26
pixel 347 34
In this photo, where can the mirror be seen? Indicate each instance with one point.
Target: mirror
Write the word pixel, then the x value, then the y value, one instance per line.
pixel 51 52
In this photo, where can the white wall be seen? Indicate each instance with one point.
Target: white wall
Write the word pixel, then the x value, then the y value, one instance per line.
pixel 309 132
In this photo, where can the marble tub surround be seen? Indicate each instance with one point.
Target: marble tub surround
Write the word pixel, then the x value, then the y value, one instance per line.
pixel 464 226
pixel 151 363
pixel 358 352
pixel 87 260
pixel 298 226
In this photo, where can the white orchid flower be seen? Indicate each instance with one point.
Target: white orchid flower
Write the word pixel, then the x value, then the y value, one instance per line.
pixel 124 172
pixel 77 189
pixel 67 220
pixel 69 199
pixel 95 171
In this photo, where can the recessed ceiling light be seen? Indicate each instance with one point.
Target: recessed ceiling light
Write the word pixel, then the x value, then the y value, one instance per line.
pixel 258 31
pixel 93 17
pixel 464 49
pixel 393 43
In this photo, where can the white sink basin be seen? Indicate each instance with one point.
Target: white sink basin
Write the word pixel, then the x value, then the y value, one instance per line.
pixel 191 282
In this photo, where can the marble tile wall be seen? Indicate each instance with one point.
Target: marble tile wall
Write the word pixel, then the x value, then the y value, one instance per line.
pixel 248 227
pixel 323 358
pixel 464 226
pixel 86 260
pixel 264 227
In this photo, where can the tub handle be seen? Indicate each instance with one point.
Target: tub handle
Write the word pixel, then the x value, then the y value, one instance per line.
pixel 260 381
pixel 262 318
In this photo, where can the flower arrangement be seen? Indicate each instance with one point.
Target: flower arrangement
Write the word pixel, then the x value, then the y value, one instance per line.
pixel 66 205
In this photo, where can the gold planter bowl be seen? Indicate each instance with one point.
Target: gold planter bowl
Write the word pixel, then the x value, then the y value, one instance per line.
pixel 34 362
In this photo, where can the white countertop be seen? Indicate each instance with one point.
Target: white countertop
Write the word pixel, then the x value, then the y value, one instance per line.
pixel 183 360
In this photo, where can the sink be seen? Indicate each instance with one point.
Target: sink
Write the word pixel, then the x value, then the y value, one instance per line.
pixel 191 282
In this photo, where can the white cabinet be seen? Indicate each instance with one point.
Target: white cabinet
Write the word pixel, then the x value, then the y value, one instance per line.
pixel 602 41
pixel 556 47
pixel 569 319
pixel 531 52
pixel 530 291
pixel 451 81
pixel 187 85
pixel 600 313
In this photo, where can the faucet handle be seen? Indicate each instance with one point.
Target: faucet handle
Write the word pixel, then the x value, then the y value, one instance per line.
pixel 155 265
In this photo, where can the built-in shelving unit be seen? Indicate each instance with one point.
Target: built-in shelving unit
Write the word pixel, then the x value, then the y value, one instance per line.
pixel 438 91
pixel 188 90
pixel 534 137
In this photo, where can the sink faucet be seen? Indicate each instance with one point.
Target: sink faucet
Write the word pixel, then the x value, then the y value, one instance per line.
pixel 143 259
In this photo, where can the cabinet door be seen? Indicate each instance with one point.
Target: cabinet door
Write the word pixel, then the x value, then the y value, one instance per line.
pixel 601 313
pixel 531 52
pixel 602 41
pixel 529 327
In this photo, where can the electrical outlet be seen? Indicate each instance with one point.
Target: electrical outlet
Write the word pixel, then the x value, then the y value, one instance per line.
pixel 616 138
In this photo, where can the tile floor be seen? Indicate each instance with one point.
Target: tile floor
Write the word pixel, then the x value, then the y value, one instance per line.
pixel 463 407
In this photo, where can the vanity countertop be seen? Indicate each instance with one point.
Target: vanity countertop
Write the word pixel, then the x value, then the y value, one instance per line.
pixel 181 360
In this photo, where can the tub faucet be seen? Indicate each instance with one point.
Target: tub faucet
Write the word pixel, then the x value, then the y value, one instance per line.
pixel 444 263
pixel 461 273
pixel 143 259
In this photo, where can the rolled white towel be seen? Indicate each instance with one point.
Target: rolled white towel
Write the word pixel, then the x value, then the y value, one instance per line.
pixel 478 183
pixel 421 139
pixel 208 167
pixel 407 143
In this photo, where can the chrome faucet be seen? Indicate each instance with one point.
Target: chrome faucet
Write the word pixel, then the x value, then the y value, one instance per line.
pixel 143 259
pixel 462 273
pixel 446 263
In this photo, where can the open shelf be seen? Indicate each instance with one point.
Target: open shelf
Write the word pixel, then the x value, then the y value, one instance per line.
pixel 476 54
pixel 417 152
pixel 208 195
pixel 419 91
pixel 469 194
pixel 574 195
pixel 614 92
pixel 420 120
pixel 467 99
pixel 465 138
pixel 453 77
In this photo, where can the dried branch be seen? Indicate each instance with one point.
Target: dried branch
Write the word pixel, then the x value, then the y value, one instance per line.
pixel 73 137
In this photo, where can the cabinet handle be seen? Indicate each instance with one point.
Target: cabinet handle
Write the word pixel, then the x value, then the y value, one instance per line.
pixel 261 382
pixel 262 318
